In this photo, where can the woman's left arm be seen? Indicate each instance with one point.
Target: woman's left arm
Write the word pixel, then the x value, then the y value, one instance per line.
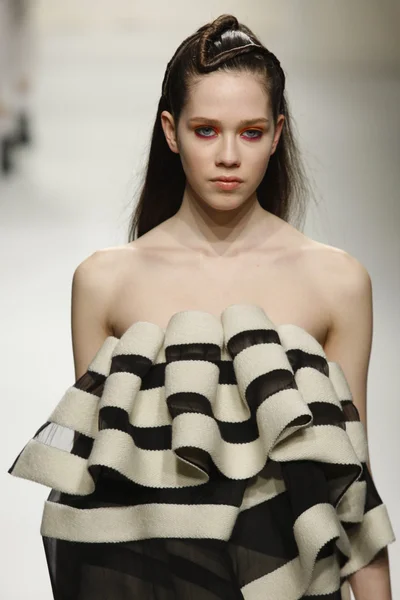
pixel 349 343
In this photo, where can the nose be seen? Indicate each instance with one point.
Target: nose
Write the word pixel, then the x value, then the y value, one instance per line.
pixel 228 152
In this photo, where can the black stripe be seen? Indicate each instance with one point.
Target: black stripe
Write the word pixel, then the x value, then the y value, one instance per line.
pixel 252 337
pixel 193 351
pixel 147 438
pixel 159 437
pixel 204 578
pixel 154 378
pixel 158 567
pixel 267 528
pixel 83 445
pixel 350 411
pixel 325 413
pixel 113 489
pixel 268 384
pixel 373 498
pixel 226 373
pixel 91 382
pixel 131 363
pixel 235 433
pixel 300 359
pixel 306 484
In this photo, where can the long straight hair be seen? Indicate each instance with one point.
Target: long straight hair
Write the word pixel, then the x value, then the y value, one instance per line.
pixel 222 45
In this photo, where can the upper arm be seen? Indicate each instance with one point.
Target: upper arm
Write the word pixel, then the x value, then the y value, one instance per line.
pixel 90 307
pixel 349 337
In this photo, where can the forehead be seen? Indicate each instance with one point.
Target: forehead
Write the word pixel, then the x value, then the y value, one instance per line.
pixel 237 94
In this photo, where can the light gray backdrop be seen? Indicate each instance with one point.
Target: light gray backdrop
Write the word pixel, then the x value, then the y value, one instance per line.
pixel 99 67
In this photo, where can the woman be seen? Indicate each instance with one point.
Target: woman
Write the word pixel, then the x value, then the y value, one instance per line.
pixel 217 451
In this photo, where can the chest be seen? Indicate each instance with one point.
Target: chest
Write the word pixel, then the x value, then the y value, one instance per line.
pixel 288 293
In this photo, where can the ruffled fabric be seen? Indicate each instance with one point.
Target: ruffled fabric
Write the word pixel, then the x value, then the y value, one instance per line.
pixel 224 456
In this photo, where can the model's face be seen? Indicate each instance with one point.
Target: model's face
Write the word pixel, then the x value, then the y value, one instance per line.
pixel 225 129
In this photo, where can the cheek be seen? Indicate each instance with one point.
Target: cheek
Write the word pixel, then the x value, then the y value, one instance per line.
pixel 195 158
pixel 256 158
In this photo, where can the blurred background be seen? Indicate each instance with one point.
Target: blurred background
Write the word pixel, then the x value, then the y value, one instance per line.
pixel 79 87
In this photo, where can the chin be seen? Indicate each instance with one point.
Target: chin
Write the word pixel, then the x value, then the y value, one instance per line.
pixel 225 204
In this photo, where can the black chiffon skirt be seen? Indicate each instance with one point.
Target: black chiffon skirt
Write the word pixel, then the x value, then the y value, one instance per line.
pixel 216 460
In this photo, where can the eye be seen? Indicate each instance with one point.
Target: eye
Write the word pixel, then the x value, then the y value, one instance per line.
pixel 257 133
pixel 208 132
pixel 209 129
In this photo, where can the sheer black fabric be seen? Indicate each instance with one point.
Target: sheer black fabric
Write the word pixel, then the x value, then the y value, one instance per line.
pixel 219 459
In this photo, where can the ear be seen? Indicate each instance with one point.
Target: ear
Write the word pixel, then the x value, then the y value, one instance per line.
pixel 278 131
pixel 168 125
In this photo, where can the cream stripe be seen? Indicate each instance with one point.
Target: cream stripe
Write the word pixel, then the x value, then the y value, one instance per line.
pixel 225 354
pixel 294 337
pixel 351 506
pixel 126 523
pixel 196 376
pixel 116 449
pixel 356 432
pixel 77 410
pixel 236 318
pixel 374 533
pixel 142 338
pixel 313 529
pixel 112 448
pixel 153 468
pixel 54 468
pixel 239 461
pixel 261 491
pixel 150 409
pixel 261 359
pixel 229 405
pixel 345 591
pixel 194 326
pixel 316 387
pixel 339 382
pixel 325 577
pixel 324 443
pixel 282 584
pixel 101 363
pixel 120 390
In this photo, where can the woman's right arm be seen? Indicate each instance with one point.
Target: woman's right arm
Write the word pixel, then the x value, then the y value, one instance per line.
pixel 92 292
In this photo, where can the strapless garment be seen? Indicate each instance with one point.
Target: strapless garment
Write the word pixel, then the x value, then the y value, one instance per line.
pixel 219 458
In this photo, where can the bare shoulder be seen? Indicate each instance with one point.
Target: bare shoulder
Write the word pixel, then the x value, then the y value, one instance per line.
pixel 341 280
pixel 104 266
pixel 338 271
pixel 333 270
pixel 95 284
pixel 107 269
pixel 98 278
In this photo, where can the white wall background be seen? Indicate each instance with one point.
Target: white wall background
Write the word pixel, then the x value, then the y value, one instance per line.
pixel 99 67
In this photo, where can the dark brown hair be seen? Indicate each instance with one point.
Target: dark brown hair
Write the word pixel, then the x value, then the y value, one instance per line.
pixel 224 44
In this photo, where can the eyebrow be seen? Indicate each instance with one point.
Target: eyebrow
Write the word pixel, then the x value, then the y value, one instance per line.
pixel 216 122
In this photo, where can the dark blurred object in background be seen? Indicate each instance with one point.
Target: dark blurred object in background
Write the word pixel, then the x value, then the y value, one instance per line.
pixel 15 79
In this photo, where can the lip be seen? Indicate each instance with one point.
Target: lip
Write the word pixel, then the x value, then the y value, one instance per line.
pixel 227 185
pixel 228 179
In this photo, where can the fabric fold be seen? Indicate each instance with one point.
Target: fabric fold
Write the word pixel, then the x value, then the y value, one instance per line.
pixel 214 428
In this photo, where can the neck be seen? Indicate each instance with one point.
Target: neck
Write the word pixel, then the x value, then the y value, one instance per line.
pixel 215 232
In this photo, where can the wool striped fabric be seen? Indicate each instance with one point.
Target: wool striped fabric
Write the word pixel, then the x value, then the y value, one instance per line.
pixel 220 458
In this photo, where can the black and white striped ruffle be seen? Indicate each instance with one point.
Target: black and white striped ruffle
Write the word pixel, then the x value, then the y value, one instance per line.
pixel 219 458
